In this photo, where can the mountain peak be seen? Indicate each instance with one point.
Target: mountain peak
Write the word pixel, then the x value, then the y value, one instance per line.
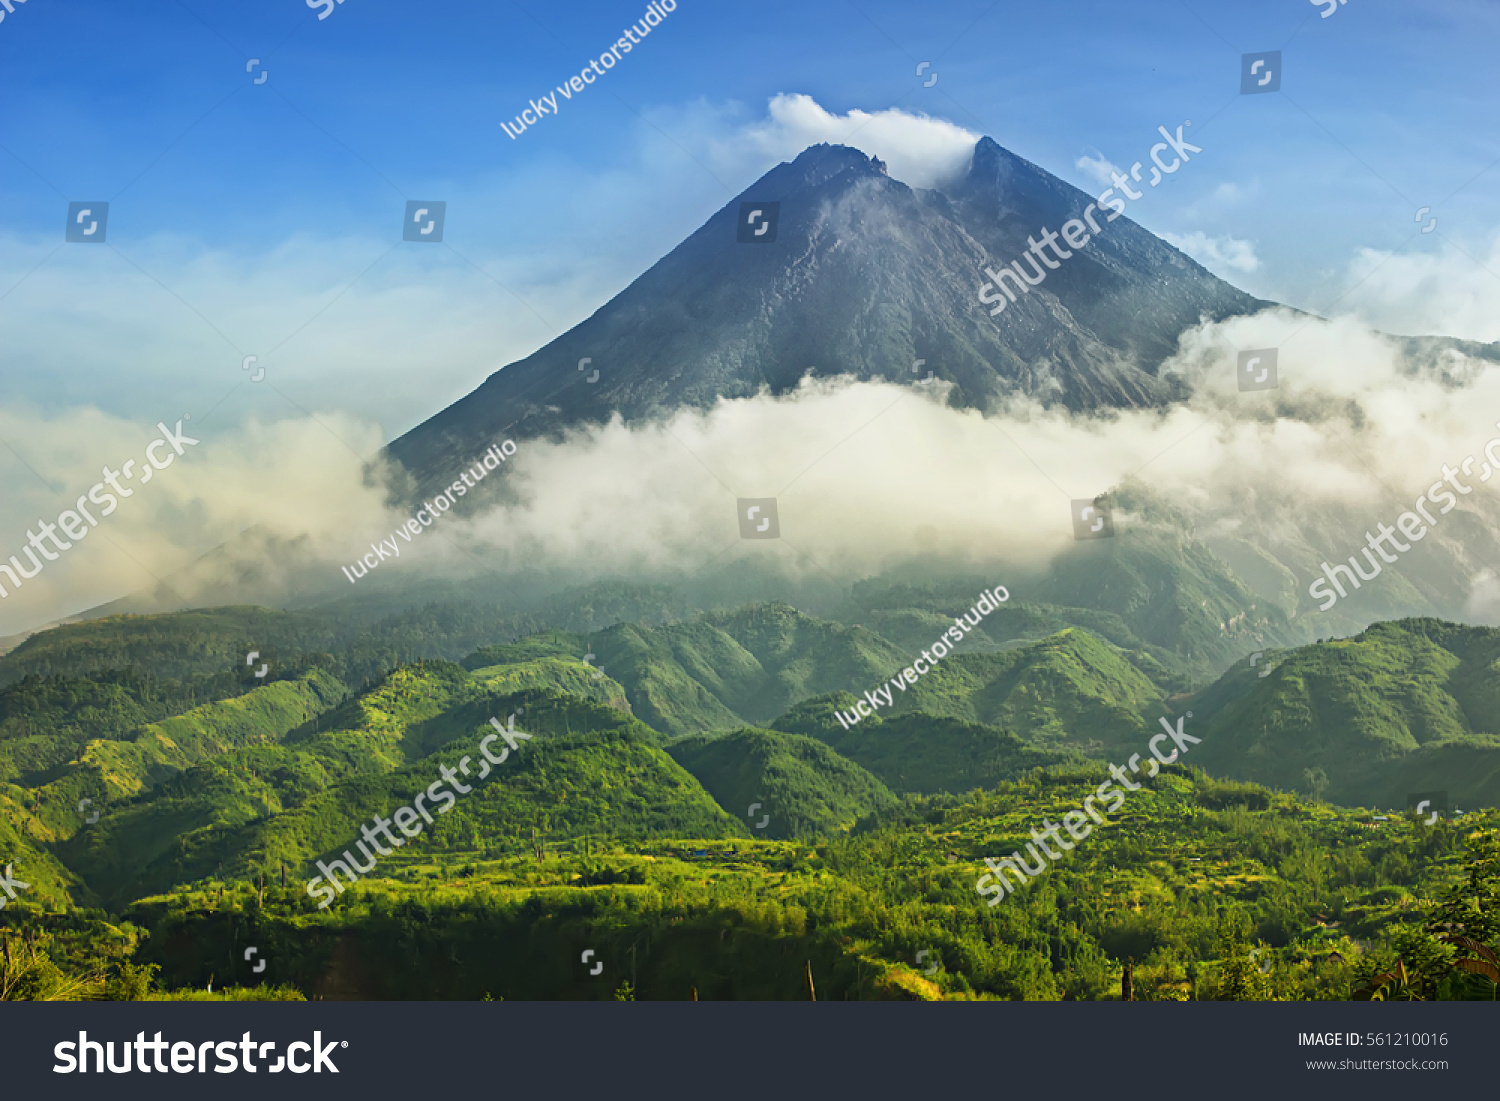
pixel 822 162
pixel 863 277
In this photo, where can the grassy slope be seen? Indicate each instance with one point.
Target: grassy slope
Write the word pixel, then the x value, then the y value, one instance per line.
pixel 109 771
pixel 589 769
pixel 722 671
pixel 1404 707
pixel 561 674
pixel 1172 590
pixel 805 788
pixel 160 750
pixel 1068 690
pixel 273 769
pixel 915 752
pixel 26 846
pixel 174 645
pixel 740 919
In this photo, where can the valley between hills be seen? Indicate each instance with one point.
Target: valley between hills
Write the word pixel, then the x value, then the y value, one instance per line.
pixel 689 808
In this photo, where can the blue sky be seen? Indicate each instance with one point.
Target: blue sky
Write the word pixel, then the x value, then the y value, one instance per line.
pixel 264 219
pixel 215 180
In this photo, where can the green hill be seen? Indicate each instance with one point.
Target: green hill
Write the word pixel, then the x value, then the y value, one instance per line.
pixel 162 749
pixel 1214 891
pixel 51 722
pixel 173 646
pixel 1404 707
pixel 725 670
pixel 26 845
pixel 916 752
pixel 360 639
pixel 588 770
pixel 561 674
pixel 1069 691
pixel 271 768
pixel 1170 588
pixel 912 615
pixel 544 644
pixel 217 800
pixel 65 771
pixel 804 788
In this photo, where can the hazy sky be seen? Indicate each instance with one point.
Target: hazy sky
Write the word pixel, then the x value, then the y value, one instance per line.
pixel 265 219
pixel 259 204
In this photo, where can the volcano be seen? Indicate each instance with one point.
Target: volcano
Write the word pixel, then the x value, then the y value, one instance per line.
pixel 863 276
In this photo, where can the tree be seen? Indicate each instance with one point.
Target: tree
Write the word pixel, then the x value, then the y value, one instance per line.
pixel 28 973
pixel 1456 946
pixel 1240 976
pixel 132 984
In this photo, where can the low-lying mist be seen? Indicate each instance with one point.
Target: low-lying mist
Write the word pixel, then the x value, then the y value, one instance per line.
pixel 867 478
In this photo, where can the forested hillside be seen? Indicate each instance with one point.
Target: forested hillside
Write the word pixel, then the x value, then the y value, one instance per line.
pixel 682 795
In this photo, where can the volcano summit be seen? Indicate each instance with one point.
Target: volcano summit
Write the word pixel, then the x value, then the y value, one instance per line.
pixel 866 276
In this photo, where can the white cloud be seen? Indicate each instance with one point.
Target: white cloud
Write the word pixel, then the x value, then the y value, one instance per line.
pixel 415 332
pixel 1099 169
pixel 1350 433
pixel 1223 199
pixel 422 329
pixel 298 479
pixel 918 150
pixel 1216 252
pixel 1453 290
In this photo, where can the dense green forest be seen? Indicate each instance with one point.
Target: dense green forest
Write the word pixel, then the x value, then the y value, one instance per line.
pixel 677 797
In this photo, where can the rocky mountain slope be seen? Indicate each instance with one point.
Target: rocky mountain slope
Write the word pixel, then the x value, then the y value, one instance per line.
pixel 865 276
